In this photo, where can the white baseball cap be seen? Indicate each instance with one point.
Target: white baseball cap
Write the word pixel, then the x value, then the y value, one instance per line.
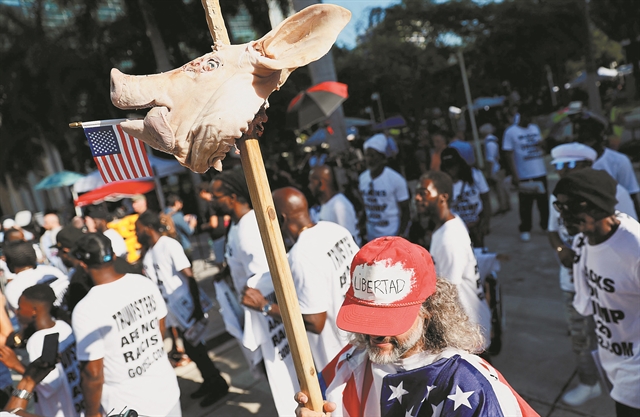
pixel 377 142
pixel 8 223
pixel 574 151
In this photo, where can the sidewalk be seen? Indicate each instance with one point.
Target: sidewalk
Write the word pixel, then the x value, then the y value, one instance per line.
pixel 536 356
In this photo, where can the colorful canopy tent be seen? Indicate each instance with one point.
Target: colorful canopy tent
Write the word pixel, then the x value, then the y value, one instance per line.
pixel 59 179
pixel 115 191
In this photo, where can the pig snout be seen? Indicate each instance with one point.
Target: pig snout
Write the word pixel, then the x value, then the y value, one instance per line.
pixel 132 92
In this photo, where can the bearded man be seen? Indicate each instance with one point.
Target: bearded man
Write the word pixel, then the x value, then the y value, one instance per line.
pixel 412 345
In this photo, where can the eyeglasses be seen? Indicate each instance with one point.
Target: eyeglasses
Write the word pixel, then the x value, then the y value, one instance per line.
pixel 219 196
pixel 571 206
pixel 568 164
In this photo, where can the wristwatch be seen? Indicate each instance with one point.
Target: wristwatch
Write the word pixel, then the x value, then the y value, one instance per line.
pixel 267 308
pixel 23 394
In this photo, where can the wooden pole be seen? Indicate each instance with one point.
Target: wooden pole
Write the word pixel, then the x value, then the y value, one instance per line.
pixel 254 171
pixel 255 174
pixel 216 22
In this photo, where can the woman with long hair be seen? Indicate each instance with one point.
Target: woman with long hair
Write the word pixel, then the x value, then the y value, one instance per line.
pixel 470 198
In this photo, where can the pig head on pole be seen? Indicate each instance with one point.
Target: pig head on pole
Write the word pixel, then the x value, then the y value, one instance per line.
pixel 200 109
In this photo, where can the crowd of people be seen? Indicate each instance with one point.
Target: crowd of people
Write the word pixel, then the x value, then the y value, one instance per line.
pixel 396 308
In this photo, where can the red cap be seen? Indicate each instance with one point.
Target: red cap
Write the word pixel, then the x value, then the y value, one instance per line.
pixel 390 279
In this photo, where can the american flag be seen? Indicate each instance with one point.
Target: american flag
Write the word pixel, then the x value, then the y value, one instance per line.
pixel 460 385
pixel 118 155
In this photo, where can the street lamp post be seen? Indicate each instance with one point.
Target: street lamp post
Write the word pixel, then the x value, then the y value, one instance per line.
pixel 472 117
pixel 376 96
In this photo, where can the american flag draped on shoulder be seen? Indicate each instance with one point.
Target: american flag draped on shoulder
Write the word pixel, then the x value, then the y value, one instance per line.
pixel 118 155
pixel 452 383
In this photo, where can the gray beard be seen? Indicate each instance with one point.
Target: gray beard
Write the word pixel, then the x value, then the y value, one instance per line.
pixel 380 358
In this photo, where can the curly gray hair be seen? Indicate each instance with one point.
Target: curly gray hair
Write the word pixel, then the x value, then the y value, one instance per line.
pixel 446 325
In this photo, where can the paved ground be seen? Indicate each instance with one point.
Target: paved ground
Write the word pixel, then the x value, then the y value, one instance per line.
pixel 536 357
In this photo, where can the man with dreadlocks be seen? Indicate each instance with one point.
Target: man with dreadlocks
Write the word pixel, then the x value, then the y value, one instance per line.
pixel 166 264
pixel 59 394
pixel 245 257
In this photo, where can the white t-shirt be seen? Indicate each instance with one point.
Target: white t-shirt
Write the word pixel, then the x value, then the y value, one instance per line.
pixel 270 335
pixel 245 253
pixel 163 263
pixel 42 274
pixel 340 210
pixel 625 205
pixel 117 243
pixel 607 281
pixel 454 260
pixel 381 197
pixel 119 322
pixel 320 262
pixel 492 152
pixel 246 258
pixel 525 145
pixel 59 393
pixel 466 201
pixel 619 167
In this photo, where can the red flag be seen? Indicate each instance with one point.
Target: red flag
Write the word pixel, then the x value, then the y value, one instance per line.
pixel 118 155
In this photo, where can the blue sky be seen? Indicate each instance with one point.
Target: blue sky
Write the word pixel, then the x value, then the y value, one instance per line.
pixel 359 17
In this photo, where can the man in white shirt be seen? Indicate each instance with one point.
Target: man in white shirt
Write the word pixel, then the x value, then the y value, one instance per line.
pixel 590 129
pixel 96 218
pixel 334 206
pixel 384 191
pixel 244 254
pixel 119 328
pixel 496 173
pixel 167 265
pixel 567 158
pixel 522 145
pixel 59 394
pixel 451 248
pixel 51 224
pixel 606 275
pixel 21 260
pixel 320 260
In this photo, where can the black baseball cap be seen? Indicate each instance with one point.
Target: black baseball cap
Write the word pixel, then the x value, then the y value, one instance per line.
pixel 67 237
pixel 93 249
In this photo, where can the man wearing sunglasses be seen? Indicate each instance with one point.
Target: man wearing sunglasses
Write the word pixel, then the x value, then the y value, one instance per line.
pixel 606 272
pixel 567 158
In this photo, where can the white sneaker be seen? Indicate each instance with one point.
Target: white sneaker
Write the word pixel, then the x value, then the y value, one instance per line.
pixel 525 236
pixel 581 394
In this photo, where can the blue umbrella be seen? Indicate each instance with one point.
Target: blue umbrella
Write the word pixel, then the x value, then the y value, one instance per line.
pixel 59 179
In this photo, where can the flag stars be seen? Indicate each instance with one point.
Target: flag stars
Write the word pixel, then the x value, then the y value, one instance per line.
pixel 397 392
pixel 460 398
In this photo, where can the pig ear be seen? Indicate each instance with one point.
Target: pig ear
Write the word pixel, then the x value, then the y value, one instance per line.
pixel 302 38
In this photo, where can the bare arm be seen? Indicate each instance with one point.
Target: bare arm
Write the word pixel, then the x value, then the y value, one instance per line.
pixel 195 293
pixel 92 380
pixel 5 323
pixel 485 215
pixel 254 299
pixel 27 384
pixel 512 167
pixel 564 252
pixel 404 216
pixel 636 203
